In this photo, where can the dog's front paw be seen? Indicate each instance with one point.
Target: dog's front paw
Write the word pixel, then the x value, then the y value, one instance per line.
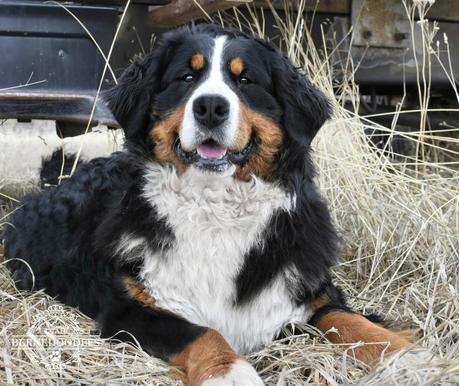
pixel 241 373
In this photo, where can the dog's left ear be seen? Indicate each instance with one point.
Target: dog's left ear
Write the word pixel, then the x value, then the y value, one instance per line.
pixel 305 107
pixel 130 100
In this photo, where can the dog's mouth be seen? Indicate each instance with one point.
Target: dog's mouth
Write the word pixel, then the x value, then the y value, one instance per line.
pixel 212 156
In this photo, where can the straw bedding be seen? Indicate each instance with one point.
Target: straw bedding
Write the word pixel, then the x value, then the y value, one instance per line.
pixel 399 258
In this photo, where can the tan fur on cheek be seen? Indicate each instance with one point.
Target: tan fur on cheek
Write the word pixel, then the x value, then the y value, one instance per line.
pixel 197 62
pixel 208 356
pixel 163 135
pixel 353 328
pixel 268 138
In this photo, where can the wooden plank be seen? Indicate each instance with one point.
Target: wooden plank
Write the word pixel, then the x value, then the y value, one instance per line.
pixel 122 2
pixel 182 11
pixel 321 6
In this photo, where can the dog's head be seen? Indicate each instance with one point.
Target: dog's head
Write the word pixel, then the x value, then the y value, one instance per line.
pixel 219 101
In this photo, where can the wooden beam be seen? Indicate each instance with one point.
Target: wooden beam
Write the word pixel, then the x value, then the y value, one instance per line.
pixel 321 6
pixel 182 11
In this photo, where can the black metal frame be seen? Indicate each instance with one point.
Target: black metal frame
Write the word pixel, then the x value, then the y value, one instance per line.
pixel 50 68
pixel 43 45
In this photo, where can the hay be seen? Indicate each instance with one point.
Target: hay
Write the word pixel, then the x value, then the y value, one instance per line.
pixel 399 222
pixel 400 259
pixel 99 363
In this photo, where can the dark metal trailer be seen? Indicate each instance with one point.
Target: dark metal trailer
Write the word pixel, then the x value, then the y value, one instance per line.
pixel 50 67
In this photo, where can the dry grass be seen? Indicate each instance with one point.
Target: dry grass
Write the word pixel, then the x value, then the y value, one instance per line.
pixel 399 223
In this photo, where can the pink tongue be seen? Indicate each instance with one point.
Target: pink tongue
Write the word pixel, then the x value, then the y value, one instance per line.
pixel 211 151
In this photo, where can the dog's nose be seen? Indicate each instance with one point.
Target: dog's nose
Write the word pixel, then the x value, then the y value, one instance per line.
pixel 211 110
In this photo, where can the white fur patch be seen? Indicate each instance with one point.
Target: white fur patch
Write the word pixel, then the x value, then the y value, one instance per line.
pixel 240 374
pixel 216 221
pixel 213 85
pixel 131 247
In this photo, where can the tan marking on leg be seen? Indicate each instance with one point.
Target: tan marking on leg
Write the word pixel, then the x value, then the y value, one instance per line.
pixel 353 328
pixel 208 356
pixel 137 290
pixel 236 66
pixel 322 301
pixel 197 62
pixel 268 138
pixel 163 134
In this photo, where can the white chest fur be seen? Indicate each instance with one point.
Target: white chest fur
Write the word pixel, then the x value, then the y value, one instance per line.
pixel 216 221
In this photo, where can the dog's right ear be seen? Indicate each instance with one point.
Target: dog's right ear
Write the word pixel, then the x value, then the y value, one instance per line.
pixel 130 100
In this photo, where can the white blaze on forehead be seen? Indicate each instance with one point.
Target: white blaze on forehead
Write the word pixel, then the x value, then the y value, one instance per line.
pixel 213 85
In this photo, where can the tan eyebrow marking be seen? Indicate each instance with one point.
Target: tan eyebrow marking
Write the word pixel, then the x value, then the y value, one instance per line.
pixel 236 66
pixel 197 62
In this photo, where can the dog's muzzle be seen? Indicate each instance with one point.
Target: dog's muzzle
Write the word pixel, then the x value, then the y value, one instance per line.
pixel 211 156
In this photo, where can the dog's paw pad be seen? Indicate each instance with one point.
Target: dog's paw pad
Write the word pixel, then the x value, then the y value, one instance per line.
pixel 241 373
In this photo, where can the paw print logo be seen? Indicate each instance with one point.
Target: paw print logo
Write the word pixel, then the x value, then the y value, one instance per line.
pixel 54 361
pixel 55 356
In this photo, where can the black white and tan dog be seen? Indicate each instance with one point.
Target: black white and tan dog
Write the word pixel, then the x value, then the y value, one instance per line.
pixel 207 235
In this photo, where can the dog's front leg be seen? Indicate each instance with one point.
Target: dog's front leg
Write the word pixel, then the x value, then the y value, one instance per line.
pixel 342 326
pixel 199 355
pixel 210 361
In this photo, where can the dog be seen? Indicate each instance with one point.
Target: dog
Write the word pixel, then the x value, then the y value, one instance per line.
pixel 207 235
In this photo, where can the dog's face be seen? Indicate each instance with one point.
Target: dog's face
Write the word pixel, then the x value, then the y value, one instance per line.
pixel 217 101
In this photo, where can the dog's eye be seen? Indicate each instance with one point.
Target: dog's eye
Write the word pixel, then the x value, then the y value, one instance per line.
pixel 244 80
pixel 188 78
